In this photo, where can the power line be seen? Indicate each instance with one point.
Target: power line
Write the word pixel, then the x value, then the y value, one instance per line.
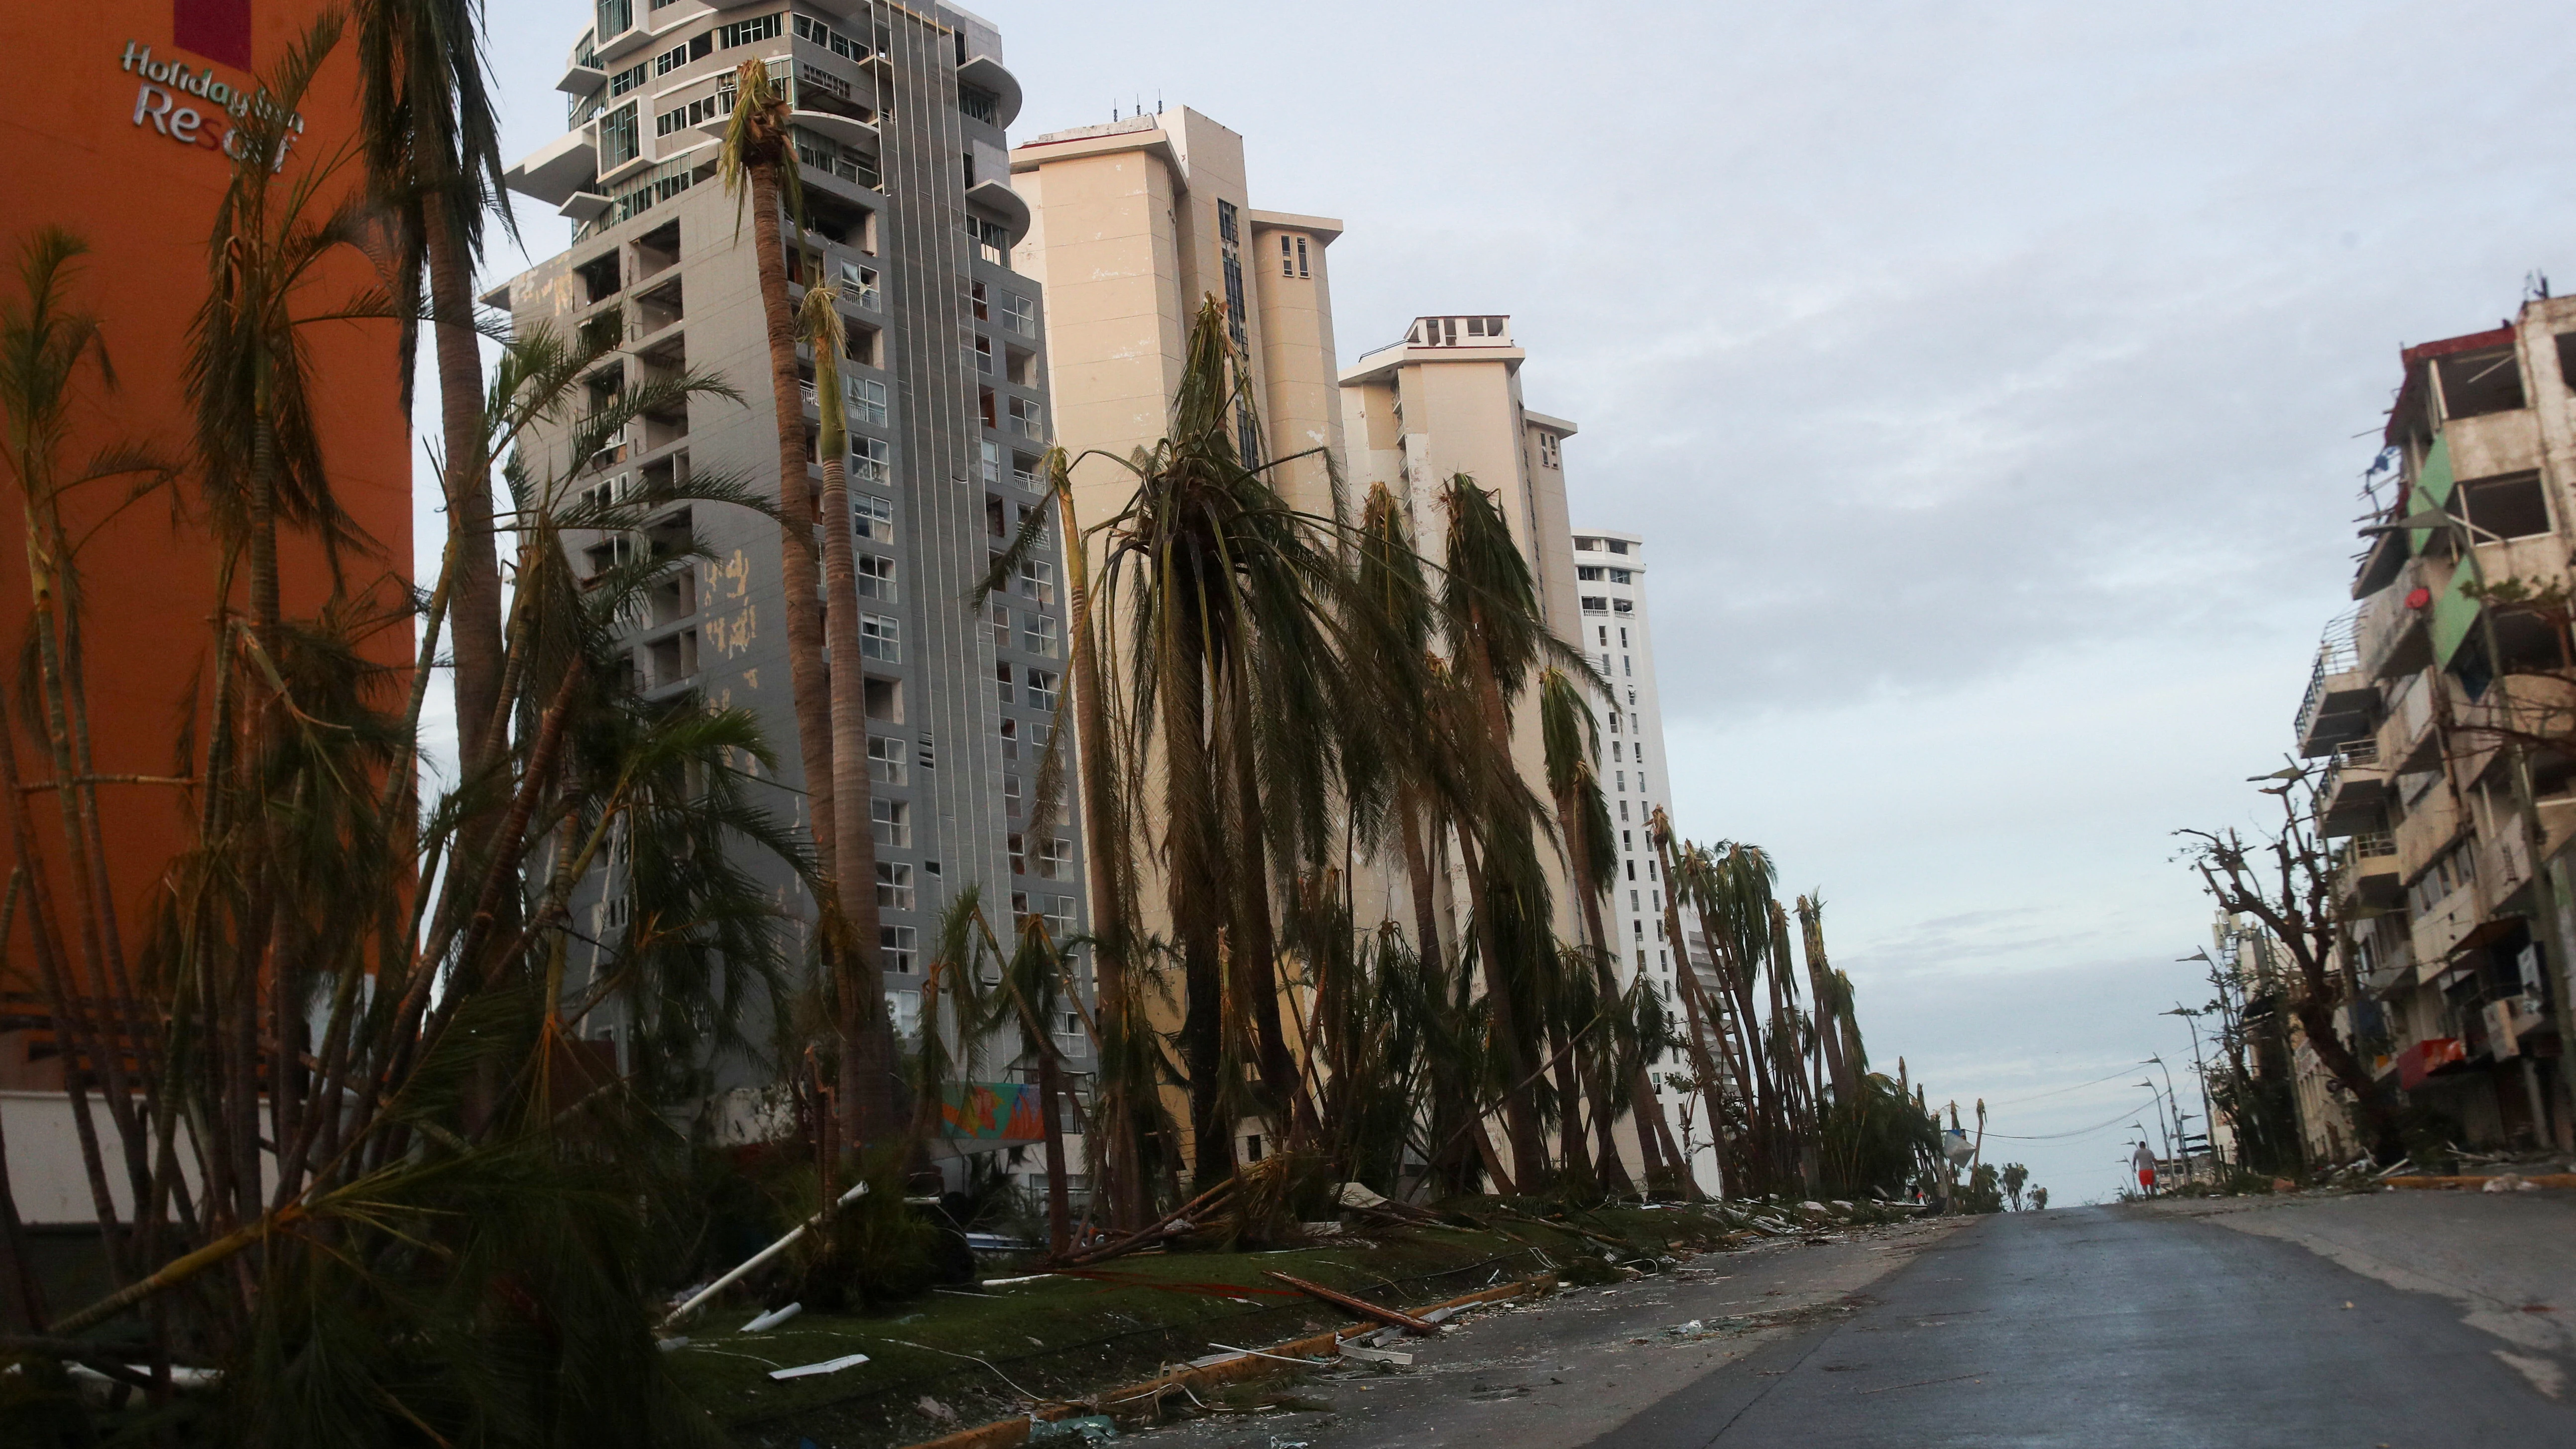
pixel 2059 1091
pixel 2059 1136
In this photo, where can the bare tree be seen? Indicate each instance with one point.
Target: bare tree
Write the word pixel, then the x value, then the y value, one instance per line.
pixel 2287 882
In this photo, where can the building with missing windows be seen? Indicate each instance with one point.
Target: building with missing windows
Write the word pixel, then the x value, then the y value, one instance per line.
pixel 899 116
pixel 2436 710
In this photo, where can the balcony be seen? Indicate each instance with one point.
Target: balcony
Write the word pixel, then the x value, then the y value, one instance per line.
pixel 2341 700
pixel 2366 869
pixel 990 76
pixel 555 171
pixel 2407 740
pixel 2354 793
pixel 2390 634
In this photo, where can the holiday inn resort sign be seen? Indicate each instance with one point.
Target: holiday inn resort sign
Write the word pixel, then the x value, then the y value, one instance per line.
pixel 196 107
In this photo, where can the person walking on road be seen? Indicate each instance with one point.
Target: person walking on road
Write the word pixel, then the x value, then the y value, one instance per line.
pixel 2146 1164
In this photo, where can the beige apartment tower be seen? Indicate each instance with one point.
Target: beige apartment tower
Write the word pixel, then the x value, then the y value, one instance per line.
pixel 1446 400
pixel 1133 225
pixel 1140 221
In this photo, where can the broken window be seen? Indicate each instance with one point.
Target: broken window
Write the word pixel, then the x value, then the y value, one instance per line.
pixel 2475 384
pixel 2510 507
pixel 885 700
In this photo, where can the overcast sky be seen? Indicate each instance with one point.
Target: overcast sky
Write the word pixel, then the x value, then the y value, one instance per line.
pixel 1991 381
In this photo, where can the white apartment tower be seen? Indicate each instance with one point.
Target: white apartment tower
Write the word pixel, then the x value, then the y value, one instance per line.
pixel 1610 584
pixel 898 115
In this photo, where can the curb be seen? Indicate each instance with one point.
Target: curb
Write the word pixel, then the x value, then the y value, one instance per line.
pixel 1014 1432
pixel 2476 1184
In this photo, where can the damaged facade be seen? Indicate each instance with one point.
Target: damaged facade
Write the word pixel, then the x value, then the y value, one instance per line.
pixel 2439 710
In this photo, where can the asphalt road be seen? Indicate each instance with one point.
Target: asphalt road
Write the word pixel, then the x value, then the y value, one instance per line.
pixel 2403 1320
pixel 2109 1326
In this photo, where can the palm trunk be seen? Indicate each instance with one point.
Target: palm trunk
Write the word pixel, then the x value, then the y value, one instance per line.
pixel 869 1108
pixel 1451 1105
pixel 1106 836
pixel 1051 1114
pixel 1255 939
pixel 801 585
pixel 476 608
pixel 1196 890
pixel 1569 1097
pixel 1520 1114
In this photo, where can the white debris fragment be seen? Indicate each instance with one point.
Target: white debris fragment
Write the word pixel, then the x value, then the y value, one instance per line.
pixel 827 1366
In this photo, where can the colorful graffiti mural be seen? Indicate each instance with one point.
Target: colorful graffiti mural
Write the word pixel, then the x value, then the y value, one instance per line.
pixel 991 1112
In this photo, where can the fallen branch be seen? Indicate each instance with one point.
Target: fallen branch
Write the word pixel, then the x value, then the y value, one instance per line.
pixel 1361 1306
pixel 1171 1224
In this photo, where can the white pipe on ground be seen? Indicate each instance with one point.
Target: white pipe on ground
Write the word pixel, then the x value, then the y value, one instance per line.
pixel 743 1269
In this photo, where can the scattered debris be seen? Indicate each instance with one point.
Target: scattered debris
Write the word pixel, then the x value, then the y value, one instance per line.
pixel 827 1366
pixel 2510 1182
pixel 773 1318
pixel 936 1409
pixel 1088 1429
pixel 1374 1355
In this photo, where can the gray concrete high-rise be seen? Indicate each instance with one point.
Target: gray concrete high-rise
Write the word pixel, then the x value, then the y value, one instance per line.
pixel 899 115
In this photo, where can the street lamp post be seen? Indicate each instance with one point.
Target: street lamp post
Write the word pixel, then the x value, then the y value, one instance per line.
pixel 2208 1119
pixel 2173 1105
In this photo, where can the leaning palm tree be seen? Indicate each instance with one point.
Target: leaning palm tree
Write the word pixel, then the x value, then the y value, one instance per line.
pixel 1497 638
pixel 758 163
pixel 1703 1017
pixel 1571 737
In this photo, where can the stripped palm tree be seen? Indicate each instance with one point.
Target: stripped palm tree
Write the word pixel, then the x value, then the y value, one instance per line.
pixel 431 1237
pixel 867 1037
pixel 1831 994
pixel 47 342
pixel 431 140
pixel 1705 1016
pixel 1571 736
pixel 1497 641
pixel 1230 682
pixel 758 163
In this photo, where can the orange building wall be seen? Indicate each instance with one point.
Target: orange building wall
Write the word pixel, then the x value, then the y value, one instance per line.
pixel 89 143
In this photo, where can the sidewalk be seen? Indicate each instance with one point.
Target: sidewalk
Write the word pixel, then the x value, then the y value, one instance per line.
pixel 2506 1260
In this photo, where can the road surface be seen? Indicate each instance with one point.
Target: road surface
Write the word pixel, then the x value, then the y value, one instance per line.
pixel 2404 1320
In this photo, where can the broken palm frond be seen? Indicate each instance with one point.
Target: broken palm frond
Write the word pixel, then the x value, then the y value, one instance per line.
pixel 1360 1306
